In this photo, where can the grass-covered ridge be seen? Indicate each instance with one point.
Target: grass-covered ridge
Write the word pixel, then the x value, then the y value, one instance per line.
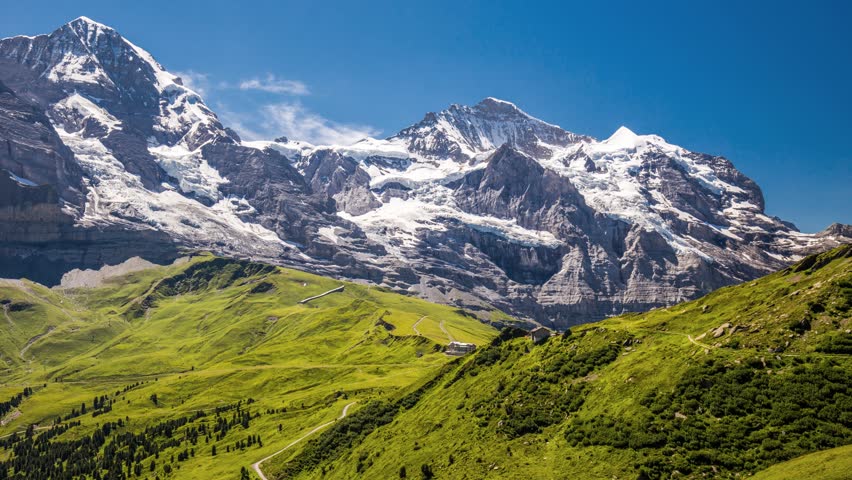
pixel 722 387
pixel 833 464
pixel 210 353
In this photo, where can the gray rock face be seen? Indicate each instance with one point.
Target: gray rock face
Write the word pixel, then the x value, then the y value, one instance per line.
pixel 105 155
pixel 272 187
pixel 31 149
pixel 38 240
pixel 343 180
pixel 514 186
pixel 41 190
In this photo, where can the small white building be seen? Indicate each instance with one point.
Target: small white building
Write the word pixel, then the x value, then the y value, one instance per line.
pixel 539 334
pixel 459 348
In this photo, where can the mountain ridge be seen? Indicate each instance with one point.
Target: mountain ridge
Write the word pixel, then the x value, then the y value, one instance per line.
pixel 637 223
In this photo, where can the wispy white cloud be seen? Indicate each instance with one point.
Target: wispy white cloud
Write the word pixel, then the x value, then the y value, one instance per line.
pixel 239 122
pixel 273 84
pixel 290 119
pixel 295 122
pixel 200 82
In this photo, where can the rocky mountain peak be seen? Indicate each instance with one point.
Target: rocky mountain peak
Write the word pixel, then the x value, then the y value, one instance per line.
pixel 463 132
pixel 95 61
pixel 88 29
pixel 114 53
pixel 490 106
pixel 838 230
pixel 88 53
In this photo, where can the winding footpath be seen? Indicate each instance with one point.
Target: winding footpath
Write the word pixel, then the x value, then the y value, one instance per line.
pixel 414 327
pixel 33 340
pixel 6 314
pixel 256 465
pixel 696 342
pixel 449 336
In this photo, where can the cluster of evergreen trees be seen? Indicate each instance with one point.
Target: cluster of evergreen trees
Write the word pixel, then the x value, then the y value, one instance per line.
pixel 13 402
pixel 114 450
pixel 100 405
pixel 248 442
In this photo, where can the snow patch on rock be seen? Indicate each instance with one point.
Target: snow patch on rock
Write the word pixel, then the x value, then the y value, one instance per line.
pixel 396 222
pixel 22 181
pixel 78 106
pixel 191 170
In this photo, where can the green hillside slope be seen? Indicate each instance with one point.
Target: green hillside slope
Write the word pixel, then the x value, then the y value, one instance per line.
pixel 148 374
pixel 724 386
pixel 834 464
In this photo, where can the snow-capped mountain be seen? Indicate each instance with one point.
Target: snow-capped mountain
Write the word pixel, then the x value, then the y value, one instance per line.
pixel 478 205
pixel 152 155
pixel 491 202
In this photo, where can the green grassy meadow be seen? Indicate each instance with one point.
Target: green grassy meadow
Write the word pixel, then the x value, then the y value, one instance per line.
pixel 209 333
pixel 753 379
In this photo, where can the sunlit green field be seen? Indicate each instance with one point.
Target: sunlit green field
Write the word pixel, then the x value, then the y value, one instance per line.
pixel 209 333
pixel 834 464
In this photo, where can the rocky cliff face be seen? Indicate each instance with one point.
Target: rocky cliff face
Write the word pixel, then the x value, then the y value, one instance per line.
pixel 42 189
pixel 32 151
pixel 105 155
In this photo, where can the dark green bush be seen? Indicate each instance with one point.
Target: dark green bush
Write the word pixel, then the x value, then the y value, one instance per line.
pixel 732 418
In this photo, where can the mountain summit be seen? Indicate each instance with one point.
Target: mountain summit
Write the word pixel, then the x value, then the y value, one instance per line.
pixel 109 156
pixel 463 132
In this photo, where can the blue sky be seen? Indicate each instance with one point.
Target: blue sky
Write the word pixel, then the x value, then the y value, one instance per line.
pixel 767 84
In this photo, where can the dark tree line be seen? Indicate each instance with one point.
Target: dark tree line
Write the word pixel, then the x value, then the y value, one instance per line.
pixel 13 402
pixel 113 451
